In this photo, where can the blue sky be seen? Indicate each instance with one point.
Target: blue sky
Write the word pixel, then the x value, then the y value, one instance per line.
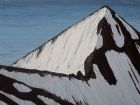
pixel 32 2
pixel 26 24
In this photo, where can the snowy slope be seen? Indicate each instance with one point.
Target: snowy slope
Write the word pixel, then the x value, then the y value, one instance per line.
pixel 30 87
pixel 67 52
pixel 94 62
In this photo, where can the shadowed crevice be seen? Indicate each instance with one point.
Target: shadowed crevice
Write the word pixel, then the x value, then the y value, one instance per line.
pixel 98 56
pixel 130 48
pixel 134 82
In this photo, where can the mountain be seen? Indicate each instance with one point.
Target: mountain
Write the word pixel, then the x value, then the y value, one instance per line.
pixel 94 62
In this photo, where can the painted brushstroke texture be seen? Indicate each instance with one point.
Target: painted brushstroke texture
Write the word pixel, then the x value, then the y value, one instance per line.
pixel 94 62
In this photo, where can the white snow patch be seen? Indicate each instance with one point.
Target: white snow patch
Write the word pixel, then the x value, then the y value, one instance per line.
pixel 47 100
pixel 99 42
pixel 3 103
pixel 21 87
pixel 120 63
pixel 118 37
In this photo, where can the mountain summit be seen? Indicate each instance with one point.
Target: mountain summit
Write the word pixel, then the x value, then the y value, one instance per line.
pixel 95 40
pixel 94 62
pixel 66 52
pixel 72 50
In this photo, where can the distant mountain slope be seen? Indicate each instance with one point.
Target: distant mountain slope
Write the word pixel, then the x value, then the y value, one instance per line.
pixel 94 62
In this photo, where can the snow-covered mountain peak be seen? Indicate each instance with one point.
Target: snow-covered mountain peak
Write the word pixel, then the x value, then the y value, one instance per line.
pixel 96 59
pixel 104 8
pixel 71 51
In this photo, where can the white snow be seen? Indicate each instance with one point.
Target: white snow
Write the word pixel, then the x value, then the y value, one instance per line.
pixel 120 63
pixel 3 103
pixel 118 38
pixel 98 93
pixel 69 51
pixel 21 87
pixel 47 100
pixel 99 42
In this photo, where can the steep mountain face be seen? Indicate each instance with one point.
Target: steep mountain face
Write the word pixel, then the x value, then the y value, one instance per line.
pixel 94 62
pixel 88 42
pixel 66 53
